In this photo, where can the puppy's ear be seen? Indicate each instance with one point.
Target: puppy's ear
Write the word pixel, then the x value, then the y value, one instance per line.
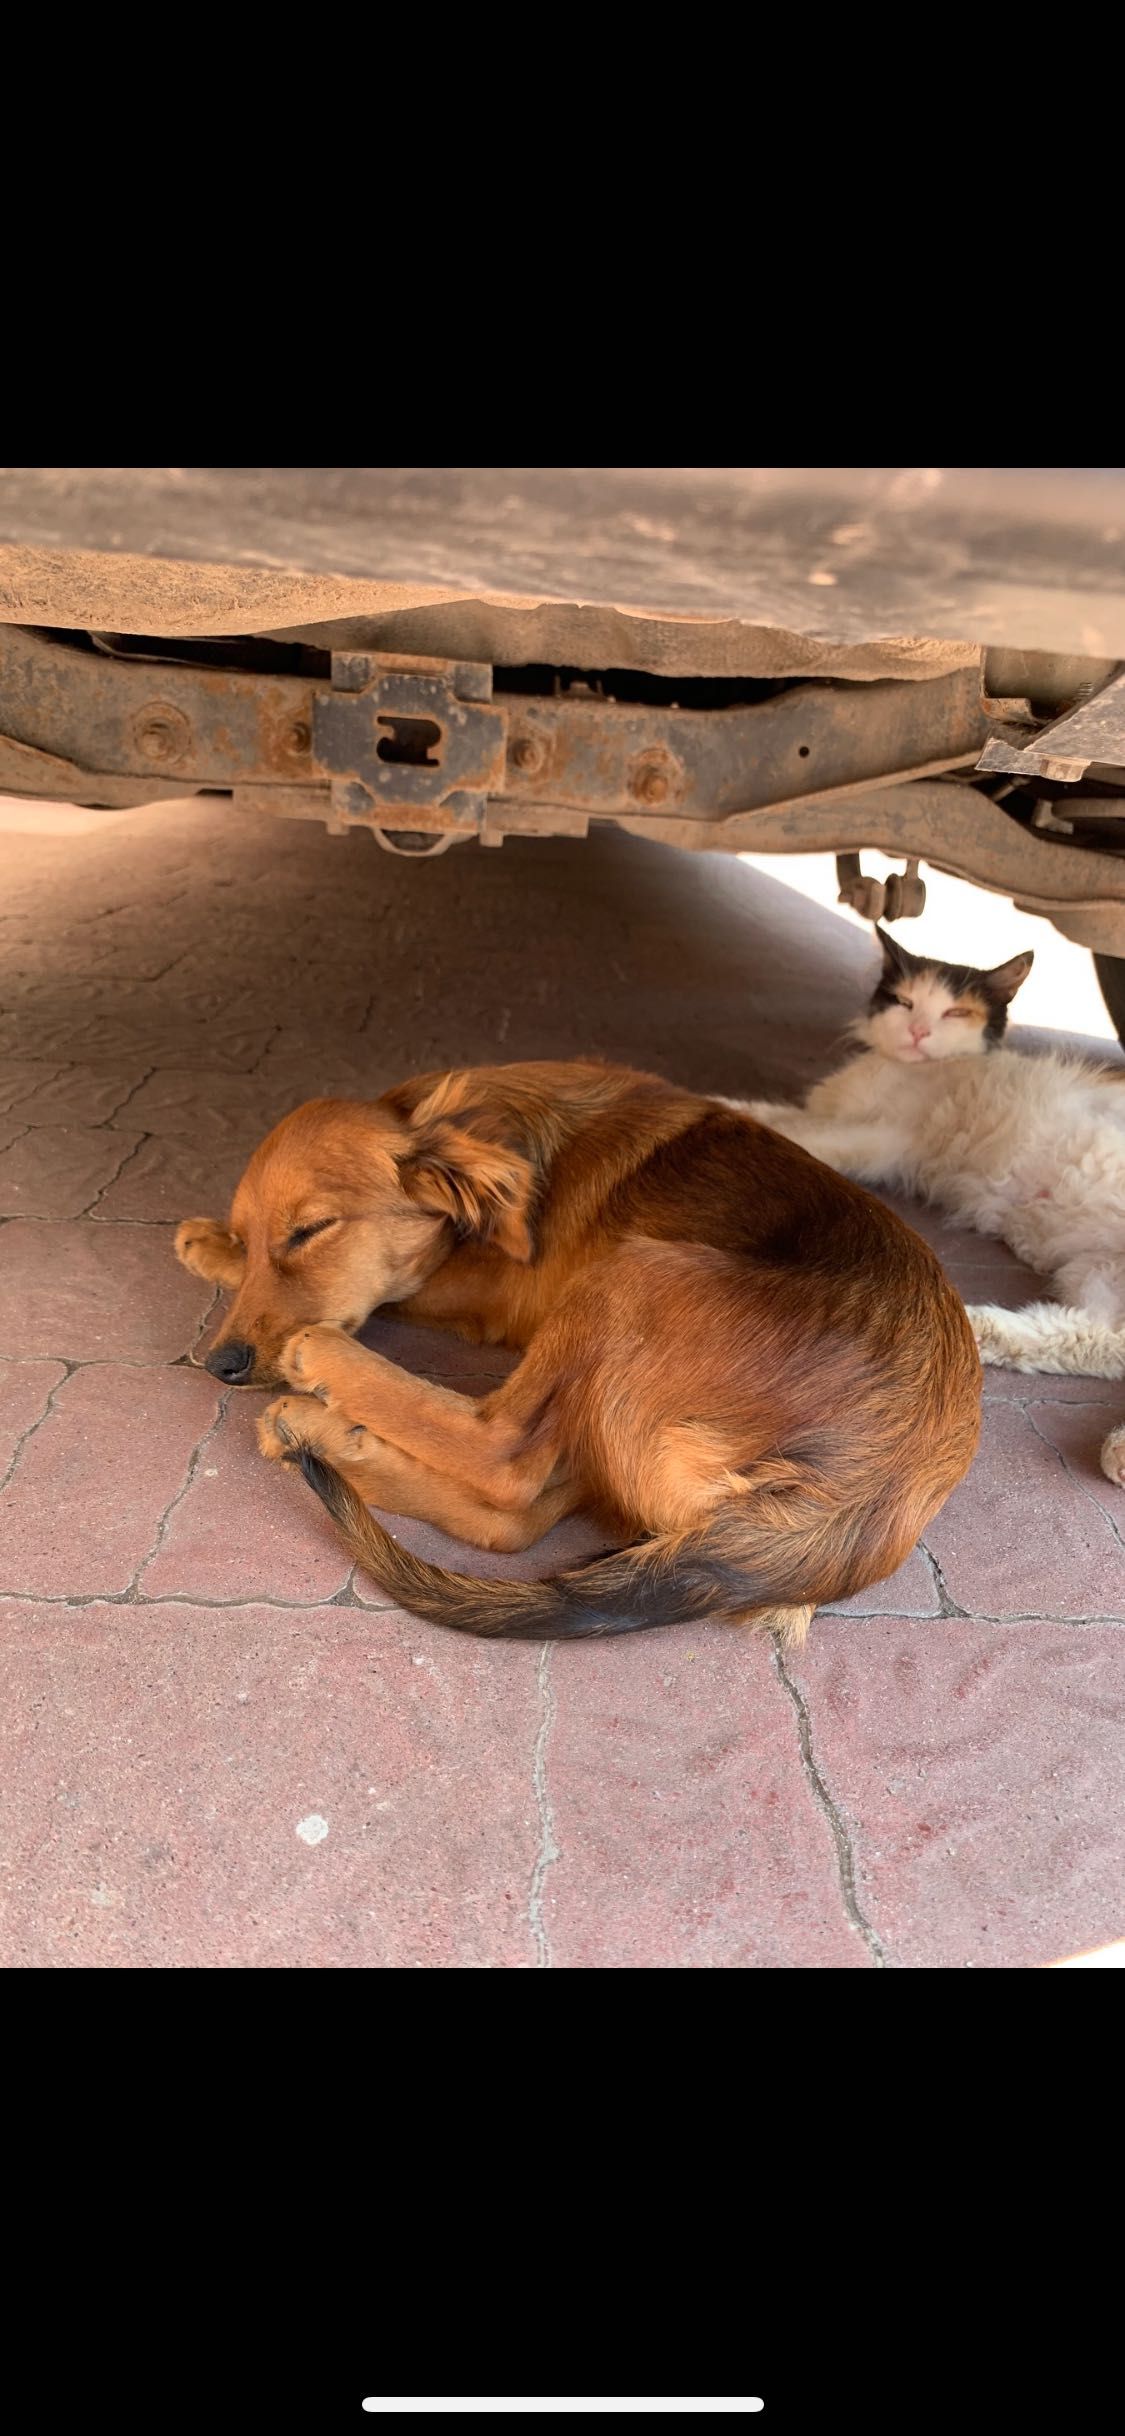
pixel 1005 979
pixel 484 1188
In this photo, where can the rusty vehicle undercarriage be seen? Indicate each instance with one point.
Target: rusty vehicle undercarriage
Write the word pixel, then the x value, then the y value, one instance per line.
pixel 928 663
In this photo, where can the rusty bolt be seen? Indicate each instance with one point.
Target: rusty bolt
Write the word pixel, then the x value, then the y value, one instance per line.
pixel 654 778
pixel 528 754
pixel 297 737
pixel 161 732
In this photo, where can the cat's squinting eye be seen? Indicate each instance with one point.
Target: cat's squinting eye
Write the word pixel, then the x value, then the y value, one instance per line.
pixel 964 1014
pixel 908 1003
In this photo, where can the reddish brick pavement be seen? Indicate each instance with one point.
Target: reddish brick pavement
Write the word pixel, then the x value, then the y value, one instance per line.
pixel 192 1675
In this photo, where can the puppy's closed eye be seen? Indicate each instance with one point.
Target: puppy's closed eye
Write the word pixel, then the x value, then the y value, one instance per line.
pixel 304 1234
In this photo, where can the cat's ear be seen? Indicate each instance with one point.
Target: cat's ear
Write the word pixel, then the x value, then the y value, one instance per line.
pixel 1005 979
pixel 896 960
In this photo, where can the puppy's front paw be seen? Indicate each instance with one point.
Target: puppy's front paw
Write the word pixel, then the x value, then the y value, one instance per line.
pixel 309 1359
pixel 191 1241
pixel 286 1426
pixel 209 1250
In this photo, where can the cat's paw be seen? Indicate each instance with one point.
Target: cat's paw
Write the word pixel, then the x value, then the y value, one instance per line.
pixel 992 1329
pixel 1113 1456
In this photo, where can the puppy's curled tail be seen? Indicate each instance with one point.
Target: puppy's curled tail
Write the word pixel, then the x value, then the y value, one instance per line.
pixel 741 1567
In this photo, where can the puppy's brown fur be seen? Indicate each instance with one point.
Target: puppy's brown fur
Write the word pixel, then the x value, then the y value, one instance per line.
pixel 730 1352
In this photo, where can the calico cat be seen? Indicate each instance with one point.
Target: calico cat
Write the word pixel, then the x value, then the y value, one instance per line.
pixel 1030 1148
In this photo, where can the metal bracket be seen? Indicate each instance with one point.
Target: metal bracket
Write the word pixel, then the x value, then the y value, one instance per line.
pixel 901 895
pixel 409 745
pixel 1093 734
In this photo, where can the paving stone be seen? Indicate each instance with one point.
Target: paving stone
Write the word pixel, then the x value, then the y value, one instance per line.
pixel 25 1389
pixel 173 1177
pixel 1076 1432
pixel 159 1762
pixel 90 1487
pixel 687 1831
pixel 1022 1536
pixel 88 1292
pixel 220 1112
pixel 95 1039
pixel 247 1529
pixel 57 1171
pixel 335 1071
pixel 994 1281
pixel 912 1591
pixel 1042 1387
pixel 80 1095
pixel 21 1078
pixel 979 1772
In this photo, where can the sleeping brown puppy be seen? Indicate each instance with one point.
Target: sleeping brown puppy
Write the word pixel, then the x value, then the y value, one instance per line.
pixel 733 1355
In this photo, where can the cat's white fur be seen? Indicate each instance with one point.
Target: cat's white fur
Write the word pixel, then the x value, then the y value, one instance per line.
pixel 1030 1148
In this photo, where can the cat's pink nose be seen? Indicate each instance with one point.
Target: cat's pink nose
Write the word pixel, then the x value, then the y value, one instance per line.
pixel 918 1033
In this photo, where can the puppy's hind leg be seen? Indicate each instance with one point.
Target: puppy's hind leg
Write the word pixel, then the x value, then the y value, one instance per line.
pixel 383 1476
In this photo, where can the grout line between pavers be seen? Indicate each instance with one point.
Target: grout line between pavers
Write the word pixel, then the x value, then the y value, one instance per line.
pixel 1020 1404
pixel 947 1605
pixel 845 1861
pixel 32 1218
pixel 549 1851
pixel 348 1596
pixel 965 1615
pixel 193 1598
pixel 80 1599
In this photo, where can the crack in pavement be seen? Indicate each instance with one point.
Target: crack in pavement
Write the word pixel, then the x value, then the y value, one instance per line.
pixel 68 1372
pixel 947 1605
pixel 131 1094
pixel 549 1851
pixel 130 1594
pixel 80 1599
pixel 1071 1474
pixel 119 1171
pixel 844 1857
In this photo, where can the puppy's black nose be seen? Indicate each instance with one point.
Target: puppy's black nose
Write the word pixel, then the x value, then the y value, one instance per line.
pixel 231 1362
